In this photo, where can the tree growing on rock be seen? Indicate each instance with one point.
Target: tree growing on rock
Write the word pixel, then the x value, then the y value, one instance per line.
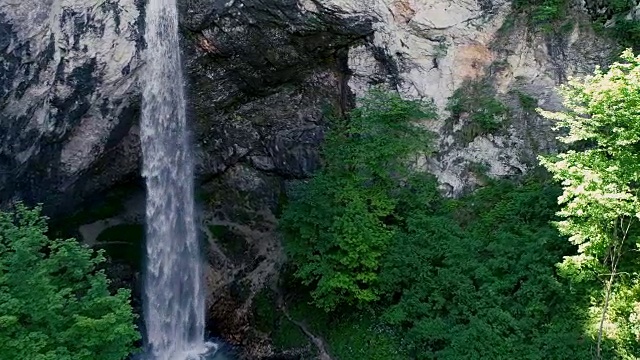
pixel 54 302
pixel 600 175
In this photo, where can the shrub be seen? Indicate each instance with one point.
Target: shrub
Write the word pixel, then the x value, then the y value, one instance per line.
pixel 485 114
pixel 54 303
pixel 483 287
pixel 601 208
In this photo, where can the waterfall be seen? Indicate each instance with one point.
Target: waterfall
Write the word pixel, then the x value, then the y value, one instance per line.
pixel 173 293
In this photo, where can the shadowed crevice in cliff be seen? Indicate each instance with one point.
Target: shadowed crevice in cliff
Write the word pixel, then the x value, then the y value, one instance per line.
pixel 262 75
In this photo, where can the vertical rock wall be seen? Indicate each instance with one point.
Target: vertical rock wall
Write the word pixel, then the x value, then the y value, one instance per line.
pixel 67 96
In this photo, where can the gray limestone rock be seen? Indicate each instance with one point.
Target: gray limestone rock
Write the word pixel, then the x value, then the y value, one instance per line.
pixel 68 96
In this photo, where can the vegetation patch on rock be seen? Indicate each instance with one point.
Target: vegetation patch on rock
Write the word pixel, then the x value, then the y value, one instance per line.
pixel 476 111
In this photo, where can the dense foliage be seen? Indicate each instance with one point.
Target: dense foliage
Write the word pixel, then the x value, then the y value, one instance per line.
pixel 600 175
pixel 542 11
pixel 617 22
pixel 54 303
pixel 341 222
pixel 609 17
pixel 474 103
pixel 474 278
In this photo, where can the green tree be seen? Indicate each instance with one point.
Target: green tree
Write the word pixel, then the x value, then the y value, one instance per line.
pixel 338 224
pixel 600 175
pixel 543 12
pixel 474 278
pixel 54 303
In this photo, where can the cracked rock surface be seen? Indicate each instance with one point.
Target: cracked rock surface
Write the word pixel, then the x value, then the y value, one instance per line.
pixel 68 96
pixel 261 74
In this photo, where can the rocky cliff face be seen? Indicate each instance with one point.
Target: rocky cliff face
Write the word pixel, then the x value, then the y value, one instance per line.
pixel 262 75
pixel 481 49
pixel 68 97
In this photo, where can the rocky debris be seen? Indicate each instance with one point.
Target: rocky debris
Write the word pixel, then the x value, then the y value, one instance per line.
pixel 318 342
pixel 244 252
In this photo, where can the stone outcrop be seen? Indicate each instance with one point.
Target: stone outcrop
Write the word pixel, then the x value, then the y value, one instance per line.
pixel 427 49
pixel 68 97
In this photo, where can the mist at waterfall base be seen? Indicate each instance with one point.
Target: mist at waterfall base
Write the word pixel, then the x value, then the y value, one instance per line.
pixel 223 352
pixel 173 297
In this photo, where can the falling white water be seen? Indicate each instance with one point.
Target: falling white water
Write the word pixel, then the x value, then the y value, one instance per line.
pixel 174 296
